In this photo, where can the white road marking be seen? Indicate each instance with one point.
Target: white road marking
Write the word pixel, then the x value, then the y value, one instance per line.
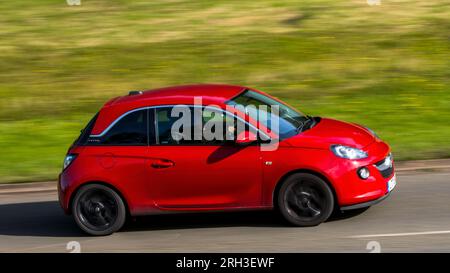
pixel 422 168
pixel 29 249
pixel 402 234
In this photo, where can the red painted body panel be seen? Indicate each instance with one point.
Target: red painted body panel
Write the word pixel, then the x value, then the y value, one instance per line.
pixel 207 176
pixel 219 177
pixel 330 131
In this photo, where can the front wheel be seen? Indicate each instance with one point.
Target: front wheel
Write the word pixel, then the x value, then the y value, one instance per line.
pixel 305 200
pixel 98 210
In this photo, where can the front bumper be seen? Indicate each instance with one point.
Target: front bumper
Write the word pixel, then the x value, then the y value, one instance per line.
pixel 355 192
pixel 366 204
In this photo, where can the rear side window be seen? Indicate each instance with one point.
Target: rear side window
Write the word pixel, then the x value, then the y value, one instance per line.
pixel 130 130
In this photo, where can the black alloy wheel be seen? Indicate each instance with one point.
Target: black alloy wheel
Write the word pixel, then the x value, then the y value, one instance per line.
pixel 305 200
pixel 98 210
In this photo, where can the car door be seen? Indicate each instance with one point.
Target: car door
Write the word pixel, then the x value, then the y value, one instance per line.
pixel 118 156
pixel 196 174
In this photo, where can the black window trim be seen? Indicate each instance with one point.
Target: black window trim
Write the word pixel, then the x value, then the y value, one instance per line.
pixel 148 108
pixel 99 136
pixel 85 133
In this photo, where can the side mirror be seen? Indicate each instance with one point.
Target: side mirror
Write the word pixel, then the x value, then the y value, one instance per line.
pixel 246 138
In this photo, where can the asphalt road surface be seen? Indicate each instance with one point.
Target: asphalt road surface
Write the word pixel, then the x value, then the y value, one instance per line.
pixel 415 218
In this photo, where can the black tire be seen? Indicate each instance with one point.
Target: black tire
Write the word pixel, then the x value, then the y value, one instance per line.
pixel 305 200
pixel 98 210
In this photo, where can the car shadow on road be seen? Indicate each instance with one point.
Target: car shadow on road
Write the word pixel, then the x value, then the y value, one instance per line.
pixel 221 219
pixel 342 215
pixel 205 220
pixel 37 219
pixel 48 220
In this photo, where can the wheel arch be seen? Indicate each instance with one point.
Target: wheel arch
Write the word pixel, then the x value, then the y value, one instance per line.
pixel 75 191
pixel 308 171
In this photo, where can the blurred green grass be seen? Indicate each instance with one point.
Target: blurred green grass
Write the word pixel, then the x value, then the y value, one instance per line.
pixel 384 66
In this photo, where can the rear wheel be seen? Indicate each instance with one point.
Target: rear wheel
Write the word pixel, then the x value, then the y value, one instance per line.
pixel 98 210
pixel 305 200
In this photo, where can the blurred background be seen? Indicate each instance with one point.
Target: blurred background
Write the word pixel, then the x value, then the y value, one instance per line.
pixel 385 66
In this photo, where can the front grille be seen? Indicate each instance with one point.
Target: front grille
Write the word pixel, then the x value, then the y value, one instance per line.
pixel 385 166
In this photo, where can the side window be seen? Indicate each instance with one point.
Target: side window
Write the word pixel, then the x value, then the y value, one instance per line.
pixel 216 127
pixel 164 123
pixel 130 130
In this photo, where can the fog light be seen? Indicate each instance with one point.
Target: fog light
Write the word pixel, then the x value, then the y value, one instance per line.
pixel 363 173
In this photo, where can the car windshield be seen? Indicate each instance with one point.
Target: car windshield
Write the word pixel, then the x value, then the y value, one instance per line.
pixel 258 105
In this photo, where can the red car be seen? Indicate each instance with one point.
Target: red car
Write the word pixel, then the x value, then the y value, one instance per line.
pixel 130 161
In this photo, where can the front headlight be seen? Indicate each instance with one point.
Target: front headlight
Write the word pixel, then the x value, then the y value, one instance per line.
pixel 68 160
pixel 348 152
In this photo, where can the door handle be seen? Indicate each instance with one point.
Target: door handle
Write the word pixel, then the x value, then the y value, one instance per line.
pixel 160 163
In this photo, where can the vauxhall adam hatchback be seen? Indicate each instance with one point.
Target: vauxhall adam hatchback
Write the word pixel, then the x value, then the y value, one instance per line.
pixel 129 161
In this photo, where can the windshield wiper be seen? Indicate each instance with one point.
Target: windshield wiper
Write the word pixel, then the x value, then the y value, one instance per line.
pixel 302 125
